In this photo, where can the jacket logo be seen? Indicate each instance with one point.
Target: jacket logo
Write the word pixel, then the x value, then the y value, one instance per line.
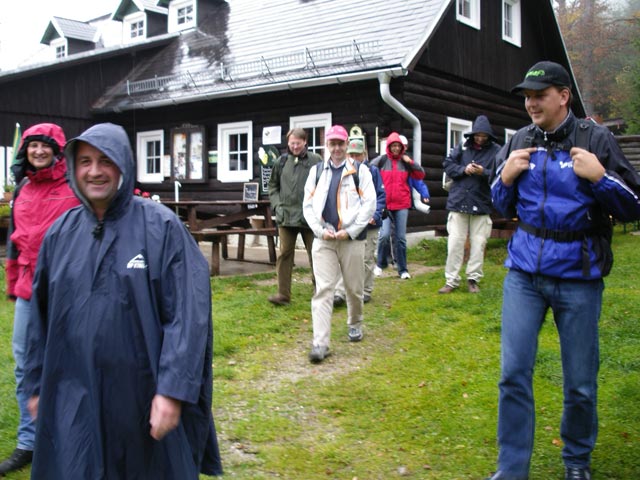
pixel 137 262
pixel 568 164
pixel 532 166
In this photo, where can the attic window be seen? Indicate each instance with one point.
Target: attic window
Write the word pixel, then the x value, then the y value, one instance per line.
pixel 185 15
pixel 468 12
pixel 137 29
pixel 182 15
pixel 59 47
pixel 134 27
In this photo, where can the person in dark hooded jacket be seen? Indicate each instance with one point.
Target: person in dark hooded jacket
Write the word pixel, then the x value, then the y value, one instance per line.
pixel 119 355
pixel 42 196
pixel 471 166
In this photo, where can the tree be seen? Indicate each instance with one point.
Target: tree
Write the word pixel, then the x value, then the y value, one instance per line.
pixel 600 46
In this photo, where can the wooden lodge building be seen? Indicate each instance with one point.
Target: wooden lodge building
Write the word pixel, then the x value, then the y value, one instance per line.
pixel 201 85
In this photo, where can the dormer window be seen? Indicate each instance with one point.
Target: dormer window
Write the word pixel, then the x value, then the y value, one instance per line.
pixel 182 15
pixel 134 27
pixel 59 47
pixel 468 12
pixel 137 29
pixel 185 15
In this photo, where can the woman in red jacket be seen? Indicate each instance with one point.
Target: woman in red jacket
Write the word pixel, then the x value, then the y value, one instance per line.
pixel 41 196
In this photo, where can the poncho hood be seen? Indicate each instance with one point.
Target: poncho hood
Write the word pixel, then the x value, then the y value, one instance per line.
pixel 112 140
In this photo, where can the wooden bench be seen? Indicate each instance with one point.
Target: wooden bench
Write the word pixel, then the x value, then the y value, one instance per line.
pixel 219 236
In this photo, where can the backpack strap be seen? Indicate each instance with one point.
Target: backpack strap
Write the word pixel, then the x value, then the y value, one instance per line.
pixel 356 177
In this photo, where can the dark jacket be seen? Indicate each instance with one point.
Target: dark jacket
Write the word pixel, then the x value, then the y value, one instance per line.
pixel 286 187
pixel 471 194
pixel 121 311
pixel 43 195
pixel 569 230
pixel 381 196
pixel 395 175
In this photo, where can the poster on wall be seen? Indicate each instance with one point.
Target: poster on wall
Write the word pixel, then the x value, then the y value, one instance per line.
pixel 271 135
pixel 188 161
pixel 268 154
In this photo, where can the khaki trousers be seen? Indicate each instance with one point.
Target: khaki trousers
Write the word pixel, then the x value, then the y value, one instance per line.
pixel 460 226
pixel 330 258
pixel 371 243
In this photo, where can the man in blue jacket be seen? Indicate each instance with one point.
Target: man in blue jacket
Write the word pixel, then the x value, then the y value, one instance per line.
pixel 563 178
pixel 119 343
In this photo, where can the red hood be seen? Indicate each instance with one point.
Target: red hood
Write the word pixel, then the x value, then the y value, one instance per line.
pixel 394 137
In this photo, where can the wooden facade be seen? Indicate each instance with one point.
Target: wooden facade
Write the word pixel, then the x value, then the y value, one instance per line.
pixel 460 72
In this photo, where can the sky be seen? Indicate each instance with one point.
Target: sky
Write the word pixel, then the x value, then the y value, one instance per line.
pixel 23 23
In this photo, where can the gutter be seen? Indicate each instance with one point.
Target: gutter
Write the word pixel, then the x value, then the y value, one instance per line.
pixel 385 92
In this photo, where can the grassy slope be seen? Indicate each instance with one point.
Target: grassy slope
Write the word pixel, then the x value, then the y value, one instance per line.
pixel 416 399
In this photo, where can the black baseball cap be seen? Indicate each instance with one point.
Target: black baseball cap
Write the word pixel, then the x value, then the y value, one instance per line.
pixel 543 75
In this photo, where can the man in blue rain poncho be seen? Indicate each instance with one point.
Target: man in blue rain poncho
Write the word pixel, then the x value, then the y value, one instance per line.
pixel 120 339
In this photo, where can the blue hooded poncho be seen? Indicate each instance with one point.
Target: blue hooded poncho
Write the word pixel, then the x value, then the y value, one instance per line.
pixel 121 311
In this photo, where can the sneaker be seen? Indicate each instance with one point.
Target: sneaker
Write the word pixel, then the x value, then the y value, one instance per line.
pixel 366 298
pixel 446 289
pixel 338 301
pixel 355 334
pixel 18 459
pixel 473 286
pixel 377 271
pixel 499 475
pixel 576 473
pixel 279 299
pixel 405 276
pixel 318 353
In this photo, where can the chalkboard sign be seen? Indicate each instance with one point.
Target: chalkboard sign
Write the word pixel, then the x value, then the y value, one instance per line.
pixel 265 177
pixel 250 193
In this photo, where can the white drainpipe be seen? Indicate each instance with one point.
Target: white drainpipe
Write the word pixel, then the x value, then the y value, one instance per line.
pixel 385 93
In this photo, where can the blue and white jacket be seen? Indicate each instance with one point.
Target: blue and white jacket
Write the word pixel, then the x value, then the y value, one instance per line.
pixel 564 221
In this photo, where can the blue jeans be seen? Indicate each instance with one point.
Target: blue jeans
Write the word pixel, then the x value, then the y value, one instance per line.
pixel 26 426
pixel 399 219
pixel 576 309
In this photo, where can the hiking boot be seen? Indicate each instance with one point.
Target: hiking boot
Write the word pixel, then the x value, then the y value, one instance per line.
pixel 447 289
pixel 576 473
pixel 366 298
pixel 318 353
pixel 338 301
pixel 405 275
pixel 377 271
pixel 473 286
pixel 18 459
pixel 355 334
pixel 279 299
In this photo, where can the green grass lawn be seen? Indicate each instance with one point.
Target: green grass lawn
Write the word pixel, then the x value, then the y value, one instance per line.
pixel 416 399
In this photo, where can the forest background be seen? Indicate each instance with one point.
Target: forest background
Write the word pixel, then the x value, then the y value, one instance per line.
pixel 602 38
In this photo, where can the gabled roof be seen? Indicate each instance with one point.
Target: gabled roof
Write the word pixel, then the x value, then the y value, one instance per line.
pixel 243 46
pixel 66 28
pixel 127 7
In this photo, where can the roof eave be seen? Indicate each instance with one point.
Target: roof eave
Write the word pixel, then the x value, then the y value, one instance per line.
pixel 396 71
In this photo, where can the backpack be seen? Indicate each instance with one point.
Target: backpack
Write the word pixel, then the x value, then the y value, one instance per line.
pixel 524 138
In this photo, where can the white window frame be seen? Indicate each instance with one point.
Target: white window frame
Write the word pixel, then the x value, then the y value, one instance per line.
pixel 142 139
pixel 473 17
pixel 174 7
pixel 128 22
pixel 508 133
pixel 456 127
pixel 225 130
pixel 515 37
pixel 60 43
pixel 310 123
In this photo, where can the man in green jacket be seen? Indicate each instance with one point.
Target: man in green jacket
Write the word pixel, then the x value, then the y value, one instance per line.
pixel 286 192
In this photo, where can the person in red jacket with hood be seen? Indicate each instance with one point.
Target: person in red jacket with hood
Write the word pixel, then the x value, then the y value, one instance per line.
pixel 396 168
pixel 41 196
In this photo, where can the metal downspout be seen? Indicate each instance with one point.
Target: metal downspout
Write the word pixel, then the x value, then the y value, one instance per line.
pixel 385 93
